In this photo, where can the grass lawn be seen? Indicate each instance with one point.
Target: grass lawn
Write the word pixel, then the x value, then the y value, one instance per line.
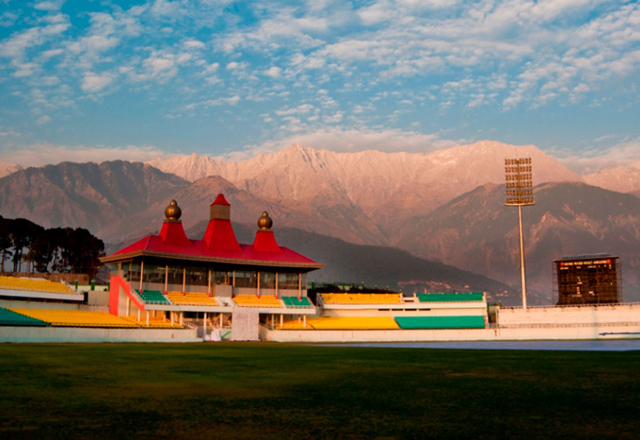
pixel 265 390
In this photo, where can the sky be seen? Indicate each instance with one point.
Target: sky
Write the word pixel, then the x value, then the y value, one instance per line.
pixel 102 80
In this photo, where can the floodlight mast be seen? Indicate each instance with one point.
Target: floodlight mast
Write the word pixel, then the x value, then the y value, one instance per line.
pixel 519 191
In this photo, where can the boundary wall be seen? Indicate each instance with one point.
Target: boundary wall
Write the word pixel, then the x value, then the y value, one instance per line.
pixel 78 334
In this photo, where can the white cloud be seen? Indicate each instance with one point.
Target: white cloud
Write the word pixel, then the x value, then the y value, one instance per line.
pixel 94 82
pixel 50 5
pixel 194 44
pixel 273 72
pixel 43 120
pixel 596 159
pixel 342 139
pixel 43 154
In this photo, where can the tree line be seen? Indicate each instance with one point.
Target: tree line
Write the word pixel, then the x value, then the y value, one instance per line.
pixel 62 250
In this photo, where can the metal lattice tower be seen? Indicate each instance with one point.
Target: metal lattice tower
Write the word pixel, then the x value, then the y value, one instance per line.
pixel 519 191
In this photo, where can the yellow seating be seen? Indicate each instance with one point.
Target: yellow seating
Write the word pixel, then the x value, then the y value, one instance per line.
pixel 344 323
pixel 33 285
pixel 254 301
pixel 361 298
pixel 75 318
pixel 192 298
pixel 154 322
pixel 81 318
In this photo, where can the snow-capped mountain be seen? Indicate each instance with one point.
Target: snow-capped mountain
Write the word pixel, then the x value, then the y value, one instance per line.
pixel 382 185
pixel 625 179
pixel 8 168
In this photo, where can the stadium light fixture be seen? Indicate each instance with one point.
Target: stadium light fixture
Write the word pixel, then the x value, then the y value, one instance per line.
pixel 519 191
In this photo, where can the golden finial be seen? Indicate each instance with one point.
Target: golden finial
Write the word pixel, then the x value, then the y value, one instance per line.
pixel 173 211
pixel 265 222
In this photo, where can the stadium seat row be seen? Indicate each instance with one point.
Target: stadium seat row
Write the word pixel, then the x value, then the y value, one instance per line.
pixel 387 323
pixel 34 285
pixel 79 318
pixel 202 299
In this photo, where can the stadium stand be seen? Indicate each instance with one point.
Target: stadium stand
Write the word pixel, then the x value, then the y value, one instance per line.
pixel 361 298
pixel 449 297
pixel 192 299
pixel 439 322
pixel 293 302
pixel 344 323
pixel 34 285
pixel 152 297
pixel 74 318
pixel 254 301
pixel 11 318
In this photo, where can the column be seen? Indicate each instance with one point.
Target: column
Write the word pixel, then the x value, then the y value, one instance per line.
pixel 141 274
pixel 166 278
pixel 184 279
pixel 277 293
pixel 258 283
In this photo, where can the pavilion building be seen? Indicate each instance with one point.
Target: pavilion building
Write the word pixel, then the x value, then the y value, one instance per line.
pixel 239 284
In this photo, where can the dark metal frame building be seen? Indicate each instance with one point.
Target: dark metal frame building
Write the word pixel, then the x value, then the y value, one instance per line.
pixel 588 279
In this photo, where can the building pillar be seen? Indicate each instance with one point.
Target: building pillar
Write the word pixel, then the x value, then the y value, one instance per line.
pixel 209 284
pixel 181 318
pixel 138 314
pixel 171 313
pixel 304 320
pixel 281 320
pixel 184 279
pixel 147 318
pixel 299 285
pixel 141 275
pixel 166 278
pixel 204 333
pixel 277 292
pixel 258 283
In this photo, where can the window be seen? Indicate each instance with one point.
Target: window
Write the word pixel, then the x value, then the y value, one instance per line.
pixel 246 279
pixel 197 276
pixel 267 280
pixel 288 281
pixel 175 275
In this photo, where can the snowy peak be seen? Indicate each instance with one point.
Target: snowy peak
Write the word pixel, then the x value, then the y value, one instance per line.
pixel 8 168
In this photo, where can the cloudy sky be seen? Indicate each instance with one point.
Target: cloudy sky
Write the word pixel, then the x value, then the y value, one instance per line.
pixel 97 80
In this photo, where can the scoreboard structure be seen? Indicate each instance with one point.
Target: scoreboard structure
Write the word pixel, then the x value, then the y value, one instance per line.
pixel 588 279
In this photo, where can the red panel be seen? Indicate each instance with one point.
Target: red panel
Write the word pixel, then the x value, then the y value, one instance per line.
pixel 172 234
pixel 220 236
pixel 266 242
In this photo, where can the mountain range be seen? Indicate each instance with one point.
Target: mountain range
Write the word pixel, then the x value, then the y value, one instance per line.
pixel 446 206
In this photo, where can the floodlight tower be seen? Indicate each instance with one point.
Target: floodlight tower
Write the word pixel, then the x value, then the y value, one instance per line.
pixel 519 185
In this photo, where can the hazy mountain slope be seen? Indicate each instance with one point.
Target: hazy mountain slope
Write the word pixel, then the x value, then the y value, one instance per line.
pixel 194 200
pixel 374 265
pixel 88 195
pixel 625 179
pixel 478 233
pixel 8 168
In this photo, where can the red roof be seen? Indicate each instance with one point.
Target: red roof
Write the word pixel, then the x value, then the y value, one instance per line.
pixel 153 245
pixel 219 244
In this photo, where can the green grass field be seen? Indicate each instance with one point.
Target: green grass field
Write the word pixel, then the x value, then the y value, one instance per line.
pixel 263 390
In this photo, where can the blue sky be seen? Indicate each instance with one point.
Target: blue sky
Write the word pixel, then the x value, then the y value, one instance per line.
pixel 98 80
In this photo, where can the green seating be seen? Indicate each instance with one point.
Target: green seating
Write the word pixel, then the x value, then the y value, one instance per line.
pixel 153 297
pixel 439 322
pixel 449 297
pixel 293 302
pixel 7 317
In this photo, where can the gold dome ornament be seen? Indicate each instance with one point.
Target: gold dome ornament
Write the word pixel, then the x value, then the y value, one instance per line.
pixel 265 222
pixel 173 211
